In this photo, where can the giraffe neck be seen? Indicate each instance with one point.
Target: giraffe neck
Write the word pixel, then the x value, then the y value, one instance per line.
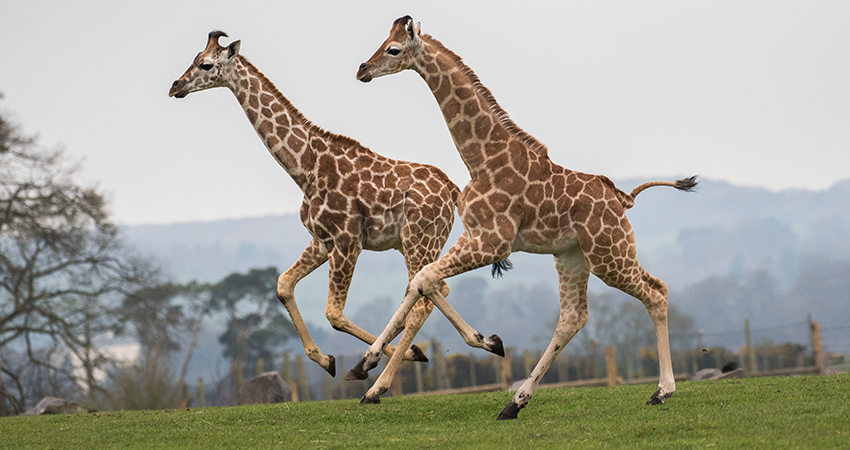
pixel 283 129
pixel 481 129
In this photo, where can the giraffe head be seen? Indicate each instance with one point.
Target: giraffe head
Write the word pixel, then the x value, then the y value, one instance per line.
pixel 208 67
pixel 396 53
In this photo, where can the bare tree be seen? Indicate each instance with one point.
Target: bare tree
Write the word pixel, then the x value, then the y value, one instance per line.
pixel 63 269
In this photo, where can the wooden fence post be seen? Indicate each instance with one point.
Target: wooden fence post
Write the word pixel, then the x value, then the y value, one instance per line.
pixel 817 346
pixel 441 374
pixel 611 366
pixel 473 378
pixel 396 386
pixel 185 396
pixel 301 379
pixel 591 366
pixel 417 373
pixel 286 370
pixel 260 364
pixel 527 362
pixel 3 411
pixel 751 351
pixel 237 379
pixel 507 373
pixel 327 391
pixel 563 362
pixel 286 374
pixel 202 398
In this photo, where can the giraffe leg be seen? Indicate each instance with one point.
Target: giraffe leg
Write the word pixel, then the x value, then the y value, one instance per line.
pixel 627 275
pixel 342 261
pixel 572 277
pixel 655 300
pixel 421 310
pixel 422 245
pixel 429 284
pixel 312 257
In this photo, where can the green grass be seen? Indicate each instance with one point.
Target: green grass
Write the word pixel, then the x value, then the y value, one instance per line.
pixel 797 412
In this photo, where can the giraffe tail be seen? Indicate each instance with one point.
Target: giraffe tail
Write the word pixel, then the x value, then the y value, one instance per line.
pixel 685 184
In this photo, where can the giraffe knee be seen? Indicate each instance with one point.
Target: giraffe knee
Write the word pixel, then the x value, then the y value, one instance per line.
pixel 444 289
pixel 284 288
pixel 336 318
pixel 425 282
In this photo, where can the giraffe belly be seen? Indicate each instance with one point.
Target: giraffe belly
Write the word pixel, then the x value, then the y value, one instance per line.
pixel 382 234
pixel 543 242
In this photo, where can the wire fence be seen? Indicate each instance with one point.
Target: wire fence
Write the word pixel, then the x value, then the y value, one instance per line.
pixel 788 348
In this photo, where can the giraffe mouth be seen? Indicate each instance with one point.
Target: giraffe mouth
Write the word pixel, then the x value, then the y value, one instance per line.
pixel 363 73
pixel 177 90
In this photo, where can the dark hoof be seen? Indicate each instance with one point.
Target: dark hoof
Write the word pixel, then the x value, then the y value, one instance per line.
pixel 331 365
pixel 418 354
pixel 510 412
pixel 357 372
pixel 658 399
pixel 498 348
pixel 366 400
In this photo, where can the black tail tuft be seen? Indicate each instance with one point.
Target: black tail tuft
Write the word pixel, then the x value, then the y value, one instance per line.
pixel 501 266
pixel 687 184
pixel 730 366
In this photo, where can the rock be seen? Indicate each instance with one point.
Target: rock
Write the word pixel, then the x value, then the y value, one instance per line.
pixel 730 370
pixel 269 387
pixel 53 405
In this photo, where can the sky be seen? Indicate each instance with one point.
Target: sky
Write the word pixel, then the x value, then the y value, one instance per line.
pixel 755 93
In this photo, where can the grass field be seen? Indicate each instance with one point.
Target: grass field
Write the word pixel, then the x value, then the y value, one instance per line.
pixel 793 412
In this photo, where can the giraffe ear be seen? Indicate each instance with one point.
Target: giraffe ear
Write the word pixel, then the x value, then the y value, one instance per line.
pixel 413 30
pixel 233 49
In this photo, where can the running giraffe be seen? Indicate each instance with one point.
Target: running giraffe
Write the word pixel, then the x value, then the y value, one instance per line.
pixel 354 199
pixel 519 200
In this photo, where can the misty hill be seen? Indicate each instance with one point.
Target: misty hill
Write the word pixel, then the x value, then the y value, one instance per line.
pixel 727 253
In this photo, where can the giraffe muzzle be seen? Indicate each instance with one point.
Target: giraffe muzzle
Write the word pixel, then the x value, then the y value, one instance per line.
pixel 362 73
pixel 177 90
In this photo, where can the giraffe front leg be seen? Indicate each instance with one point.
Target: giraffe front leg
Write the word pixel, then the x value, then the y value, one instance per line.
pixel 572 280
pixel 413 324
pixel 312 257
pixel 369 361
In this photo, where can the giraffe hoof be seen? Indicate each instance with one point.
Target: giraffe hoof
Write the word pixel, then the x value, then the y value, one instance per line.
pixel 367 400
pixel 331 365
pixel 357 372
pixel 510 412
pixel 418 354
pixel 497 347
pixel 658 398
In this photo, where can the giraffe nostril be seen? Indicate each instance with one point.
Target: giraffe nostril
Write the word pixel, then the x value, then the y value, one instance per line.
pixel 363 66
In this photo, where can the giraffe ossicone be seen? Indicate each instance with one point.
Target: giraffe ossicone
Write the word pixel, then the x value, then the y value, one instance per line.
pixel 519 200
pixel 354 199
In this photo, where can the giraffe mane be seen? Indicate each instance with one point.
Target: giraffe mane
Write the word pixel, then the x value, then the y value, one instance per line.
pixel 501 115
pixel 268 86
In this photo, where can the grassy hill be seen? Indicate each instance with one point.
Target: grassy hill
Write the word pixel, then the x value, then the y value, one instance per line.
pixel 794 412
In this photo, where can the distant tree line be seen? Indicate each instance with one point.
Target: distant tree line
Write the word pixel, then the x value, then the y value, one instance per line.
pixel 69 284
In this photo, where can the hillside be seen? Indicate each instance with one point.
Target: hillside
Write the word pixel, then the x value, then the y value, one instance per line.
pixel 727 253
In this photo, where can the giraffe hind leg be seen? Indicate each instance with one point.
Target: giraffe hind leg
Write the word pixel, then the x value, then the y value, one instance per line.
pixel 652 292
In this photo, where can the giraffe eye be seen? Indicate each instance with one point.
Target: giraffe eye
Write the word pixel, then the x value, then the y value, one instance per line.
pixel 393 51
pixel 206 66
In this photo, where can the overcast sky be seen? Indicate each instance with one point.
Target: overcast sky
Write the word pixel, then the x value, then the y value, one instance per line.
pixel 755 93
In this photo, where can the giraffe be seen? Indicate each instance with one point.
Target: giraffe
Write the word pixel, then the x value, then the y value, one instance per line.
pixel 519 200
pixel 354 199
